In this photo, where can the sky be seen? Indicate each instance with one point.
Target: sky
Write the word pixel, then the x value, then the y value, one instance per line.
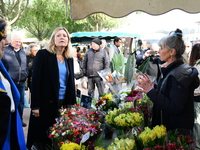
pixel 145 23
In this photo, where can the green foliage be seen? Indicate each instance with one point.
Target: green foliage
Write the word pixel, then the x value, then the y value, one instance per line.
pixel 143 67
pixel 118 63
pixel 99 140
pixel 198 63
pixel 38 19
pixel 172 136
pixel 129 69
pixel 110 105
pixel 43 16
pixel 98 22
pixel 11 10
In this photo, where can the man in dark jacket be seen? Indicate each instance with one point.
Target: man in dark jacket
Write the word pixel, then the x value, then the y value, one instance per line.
pixel 141 57
pixel 95 59
pixel 14 60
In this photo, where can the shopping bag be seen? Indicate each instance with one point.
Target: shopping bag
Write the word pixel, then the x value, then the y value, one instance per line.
pixel 84 83
pixel 26 104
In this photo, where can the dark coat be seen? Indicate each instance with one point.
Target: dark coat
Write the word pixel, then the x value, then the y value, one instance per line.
pixel 45 92
pixel 17 69
pixel 30 70
pixel 94 61
pixel 11 132
pixel 173 103
pixel 4 116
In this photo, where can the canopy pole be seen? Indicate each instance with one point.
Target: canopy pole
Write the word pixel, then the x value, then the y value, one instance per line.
pixel 66 13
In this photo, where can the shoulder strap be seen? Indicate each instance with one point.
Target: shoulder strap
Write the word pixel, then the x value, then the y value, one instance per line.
pixel 177 73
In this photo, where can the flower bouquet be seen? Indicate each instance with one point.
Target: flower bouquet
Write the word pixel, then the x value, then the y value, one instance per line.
pixel 145 105
pixel 150 138
pixel 70 146
pixel 73 124
pixel 125 117
pixel 175 142
pixel 141 101
pixel 122 144
pixel 113 80
pixel 125 120
pixel 75 146
pixel 106 103
pixel 134 95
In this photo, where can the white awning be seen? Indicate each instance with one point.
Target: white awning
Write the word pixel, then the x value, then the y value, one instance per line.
pixel 80 9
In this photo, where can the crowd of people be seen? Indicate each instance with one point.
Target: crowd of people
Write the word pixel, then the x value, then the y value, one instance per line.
pixel 171 82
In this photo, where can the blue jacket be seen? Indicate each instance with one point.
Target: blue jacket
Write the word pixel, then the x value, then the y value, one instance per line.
pixel 12 121
pixel 18 72
pixel 139 59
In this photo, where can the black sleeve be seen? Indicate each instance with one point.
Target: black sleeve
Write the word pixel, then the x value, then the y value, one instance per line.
pixel 4 117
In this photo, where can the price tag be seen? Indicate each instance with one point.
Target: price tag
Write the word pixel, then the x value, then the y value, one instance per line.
pixel 85 137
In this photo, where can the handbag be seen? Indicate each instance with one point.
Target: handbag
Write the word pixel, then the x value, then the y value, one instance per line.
pixel 79 75
pixel 78 72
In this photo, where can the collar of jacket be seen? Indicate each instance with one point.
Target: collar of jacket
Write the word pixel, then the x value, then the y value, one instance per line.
pixel 183 73
pixel 96 50
pixel 13 47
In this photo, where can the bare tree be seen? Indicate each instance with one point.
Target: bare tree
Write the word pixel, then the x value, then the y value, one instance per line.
pixel 11 11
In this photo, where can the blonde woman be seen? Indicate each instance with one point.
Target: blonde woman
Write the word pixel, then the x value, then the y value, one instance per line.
pixel 52 87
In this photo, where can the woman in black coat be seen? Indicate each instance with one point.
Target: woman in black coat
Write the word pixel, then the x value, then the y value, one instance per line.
pixel 173 96
pixel 53 87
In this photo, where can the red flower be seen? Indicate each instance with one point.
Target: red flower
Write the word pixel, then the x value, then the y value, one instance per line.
pixel 133 93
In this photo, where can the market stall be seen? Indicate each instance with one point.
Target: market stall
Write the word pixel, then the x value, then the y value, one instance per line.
pixel 127 39
pixel 80 9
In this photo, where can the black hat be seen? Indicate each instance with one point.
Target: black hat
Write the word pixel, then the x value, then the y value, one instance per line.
pixel 97 41
pixel 2 31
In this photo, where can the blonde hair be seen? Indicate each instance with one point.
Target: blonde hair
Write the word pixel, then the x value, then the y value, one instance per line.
pixel 68 52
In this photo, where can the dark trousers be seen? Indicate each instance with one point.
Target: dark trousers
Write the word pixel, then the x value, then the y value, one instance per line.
pixel 21 89
pixel 196 128
pixel 91 86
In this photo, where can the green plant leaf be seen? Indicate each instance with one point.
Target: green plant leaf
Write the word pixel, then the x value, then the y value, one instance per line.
pixel 143 67
pixel 129 69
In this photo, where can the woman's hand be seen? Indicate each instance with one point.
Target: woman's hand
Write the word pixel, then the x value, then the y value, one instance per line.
pixel 36 112
pixel 145 83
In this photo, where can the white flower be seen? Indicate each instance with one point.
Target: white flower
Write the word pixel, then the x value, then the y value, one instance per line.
pixel 63 133
pixel 123 96
pixel 73 113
